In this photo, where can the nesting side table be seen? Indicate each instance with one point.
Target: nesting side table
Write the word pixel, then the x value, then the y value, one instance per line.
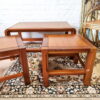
pixel 67 45
pixel 11 47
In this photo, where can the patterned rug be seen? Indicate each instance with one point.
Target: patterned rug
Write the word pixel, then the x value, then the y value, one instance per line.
pixel 60 86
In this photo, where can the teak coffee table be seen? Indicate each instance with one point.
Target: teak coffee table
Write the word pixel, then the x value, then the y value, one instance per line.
pixel 13 47
pixel 39 27
pixel 66 45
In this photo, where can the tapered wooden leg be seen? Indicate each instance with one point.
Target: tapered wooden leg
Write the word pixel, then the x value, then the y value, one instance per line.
pixel 23 59
pixel 44 68
pixel 89 66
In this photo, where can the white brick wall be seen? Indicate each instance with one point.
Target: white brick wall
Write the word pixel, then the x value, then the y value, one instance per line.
pixel 13 11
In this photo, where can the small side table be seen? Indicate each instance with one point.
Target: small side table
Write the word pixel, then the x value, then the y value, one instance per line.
pixel 11 47
pixel 64 45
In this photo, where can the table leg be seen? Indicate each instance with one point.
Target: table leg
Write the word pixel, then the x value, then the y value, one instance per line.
pixel 89 66
pixel 19 33
pixel 7 33
pixel 75 58
pixel 23 59
pixel 66 32
pixel 44 68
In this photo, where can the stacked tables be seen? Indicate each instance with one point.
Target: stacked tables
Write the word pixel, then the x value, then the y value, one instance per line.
pixel 62 44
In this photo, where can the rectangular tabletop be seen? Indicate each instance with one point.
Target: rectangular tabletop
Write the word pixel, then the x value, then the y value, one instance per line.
pixel 10 43
pixel 66 42
pixel 41 26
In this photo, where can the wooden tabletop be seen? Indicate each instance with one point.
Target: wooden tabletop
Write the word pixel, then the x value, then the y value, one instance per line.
pixel 41 26
pixel 65 42
pixel 10 43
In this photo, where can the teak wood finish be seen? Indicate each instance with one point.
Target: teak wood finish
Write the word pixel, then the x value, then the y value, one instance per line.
pixel 64 45
pixel 39 27
pixel 13 47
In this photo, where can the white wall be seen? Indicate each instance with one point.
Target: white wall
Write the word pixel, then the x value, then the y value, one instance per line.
pixel 13 11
